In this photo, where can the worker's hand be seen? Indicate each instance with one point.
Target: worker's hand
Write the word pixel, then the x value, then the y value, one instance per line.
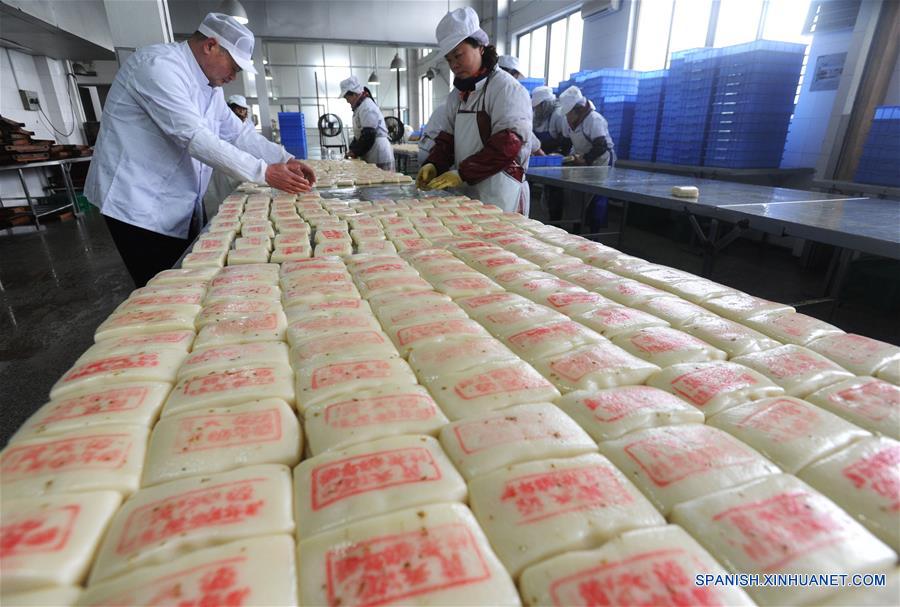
pixel 350 155
pixel 450 179
pixel 282 177
pixel 303 170
pixel 578 161
pixel 539 152
pixel 426 174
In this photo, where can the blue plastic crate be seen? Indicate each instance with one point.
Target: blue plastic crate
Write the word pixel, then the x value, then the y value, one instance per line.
pixel 545 161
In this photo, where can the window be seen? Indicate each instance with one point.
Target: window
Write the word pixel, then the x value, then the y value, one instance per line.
pixel 426 100
pixel 558 41
pixel 667 26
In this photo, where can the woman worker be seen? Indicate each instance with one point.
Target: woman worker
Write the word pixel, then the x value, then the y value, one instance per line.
pixel 592 144
pixel 549 122
pixel 370 134
pixel 486 122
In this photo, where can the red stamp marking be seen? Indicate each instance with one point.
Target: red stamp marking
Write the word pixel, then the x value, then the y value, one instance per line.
pixel 259 322
pixel 412 244
pixel 795 324
pixel 704 384
pixel 575 365
pixel 341 322
pixel 473 244
pixel 662 578
pixel 204 255
pixel 322 278
pixel 540 496
pixel 225 353
pixel 617 316
pixel 594 278
pixel 479 301
pixel 351 476
pixel 854 348
pixel 561 300
pixel 245 291
pixel 504 429
pixel 298 249
pixel 399 567
pixel 332 375
pixel 875 400
pixel 782 420
pixel 98 452
pixel 517 314
pixel 145 360
pixel 333 234
pixel 148 316
pixel 37 533
pixel 616 405
pixel 177 516
pixel 383 268
pixel 775 531
pixel 543 284
pixel 202 432
pixel 380 410
pixel 633 288
pixel 332 248
pixel 497 381
pixel 472 283
pixel 416 333
pixel 538 335
pixel 395 281
pixel 662 339
pixel 169 337
pixel 98 403
pixel 668 457
pixel 338 343
pixel 346 304
pixel 235 307
pixel 497 262
pixel 878 473
pixel 220 582
pixel 232 379
pixel 163 300
pixel 309 265
pixel 426 310
pixel 794 364
pixel 212 243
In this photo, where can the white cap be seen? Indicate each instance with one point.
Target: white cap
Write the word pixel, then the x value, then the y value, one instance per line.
pixel 456 26
pixel 238 100
pixel 569 98
pixel 351 85
pixel 232 36
pixel 509 62
pixel 541 94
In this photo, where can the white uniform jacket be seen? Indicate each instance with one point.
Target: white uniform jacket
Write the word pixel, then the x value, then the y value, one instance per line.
pixel 162 132
pixel 368 116
pixel 593 127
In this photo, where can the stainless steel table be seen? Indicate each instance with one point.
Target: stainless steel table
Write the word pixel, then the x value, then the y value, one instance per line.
pixel 65 166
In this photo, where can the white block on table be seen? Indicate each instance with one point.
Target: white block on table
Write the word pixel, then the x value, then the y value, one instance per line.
pixel 732 337
pixel 217 358
pixel 232 386
pixel 595 366
pixel 152 319
pixel 791 327
pixel 159 366
pixel 254 327
pixel 665 346
pixel 322 379
pixel 856 353
pixel 866 401
pixel 798 370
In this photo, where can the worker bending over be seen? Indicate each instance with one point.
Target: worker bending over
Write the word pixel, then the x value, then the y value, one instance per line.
pixel 587 129
pixel 370 135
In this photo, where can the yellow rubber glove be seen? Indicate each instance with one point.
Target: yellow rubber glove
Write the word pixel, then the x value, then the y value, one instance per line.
pixel 426 174
pixel 450 179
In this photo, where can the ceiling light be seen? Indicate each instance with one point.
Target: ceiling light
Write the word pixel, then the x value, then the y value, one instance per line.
pixel 373 78
pixel 397 63
pixel 234 9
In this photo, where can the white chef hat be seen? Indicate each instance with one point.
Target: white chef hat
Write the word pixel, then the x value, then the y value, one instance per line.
pixel 509 62
pixel 541 94
pixel 239 100
pixel 570 98
pixel 351 85
pixel 456 26
pixel 232 36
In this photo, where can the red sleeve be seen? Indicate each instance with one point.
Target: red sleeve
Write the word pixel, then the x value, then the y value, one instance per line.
pixel 441 155
pixel 498 153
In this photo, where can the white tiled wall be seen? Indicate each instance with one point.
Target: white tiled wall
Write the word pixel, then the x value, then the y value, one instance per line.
pixel 46 77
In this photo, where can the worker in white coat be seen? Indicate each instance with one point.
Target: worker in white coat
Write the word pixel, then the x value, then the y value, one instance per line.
pixel 165 126
pixel 221 184
pixel 430 133
pixel 549 124
pixel 370 135
pixel 592 144
pixel 486 123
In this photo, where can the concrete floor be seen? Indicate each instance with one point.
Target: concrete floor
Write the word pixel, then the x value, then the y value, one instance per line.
pixel 58 285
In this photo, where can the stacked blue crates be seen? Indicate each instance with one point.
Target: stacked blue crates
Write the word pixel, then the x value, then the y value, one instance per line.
pixel 608 82
pixel 673 108
pixel 880 161
pixel 293 133
pixel 531 83
pixel 753 104
pixel 648 109
pixel 619 113
pixel 545 161
pixel 702 72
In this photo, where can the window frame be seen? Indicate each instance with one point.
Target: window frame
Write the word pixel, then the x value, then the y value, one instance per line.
pixel 549 23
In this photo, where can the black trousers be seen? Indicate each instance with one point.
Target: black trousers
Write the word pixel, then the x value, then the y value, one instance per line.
pixel 145 253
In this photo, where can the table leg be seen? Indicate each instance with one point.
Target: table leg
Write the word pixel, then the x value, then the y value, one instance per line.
pixel 34 213
pixel 625 205
pixel 70 188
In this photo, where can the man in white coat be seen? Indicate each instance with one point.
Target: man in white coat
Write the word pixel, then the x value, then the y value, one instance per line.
pixel 164 128
pixel 221 184
pixel 370 134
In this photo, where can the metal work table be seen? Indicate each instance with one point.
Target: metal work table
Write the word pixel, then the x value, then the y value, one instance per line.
pixel 771 176
pixel 66 168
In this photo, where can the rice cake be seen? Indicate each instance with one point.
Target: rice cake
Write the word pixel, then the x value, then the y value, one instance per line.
pixel 732 337
pixel 331 324
pixel 88 459
pixel 431 360
pixel 254 290
pixel 136 404
pixel 864 480
pixel 322 379
pixel 191 297
pixel 444 560
pixel 258 254
pixel 369 479
pixel 714 386
pixel 373 344
pixel 216 358
pixel 370 415
pixel 253 327
pixel 574 303
pixel 50 541
pixel 467 286
pixel 402 314
pixel 181 275
pixel 58 596
pixel 535 510
pixel 657 566
pixel 611 413
pixel 697 290
pixel 407 338
pixel 856 353
pixel 665 346
pixel 506 320
pixel 866 401
pixel 482 444
pixel 231 386
pixel 890 372
pixel 780 525
pixel 790 432
pixel 791 327
pixel 104 370
pixel 163 522
pixel 615 319
pixel 216 440
pixel 147 320
pixel 595 366
pixel 233 310
pixel 489 387
pixel 674 310
pixel 674 464
pixel 551 338
pixel 798 370
pixel 257 571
